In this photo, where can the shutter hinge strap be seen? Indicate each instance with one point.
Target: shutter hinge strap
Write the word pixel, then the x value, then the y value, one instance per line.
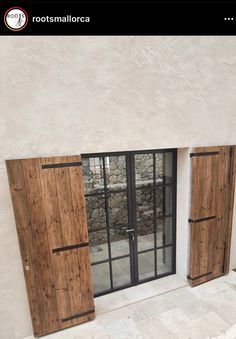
pixel 203 154
pixel 77 315
pixel 70 247
pixel 65 164
pixel 201 220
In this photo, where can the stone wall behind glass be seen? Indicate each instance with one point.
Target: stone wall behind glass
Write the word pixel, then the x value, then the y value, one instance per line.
pixel 117 201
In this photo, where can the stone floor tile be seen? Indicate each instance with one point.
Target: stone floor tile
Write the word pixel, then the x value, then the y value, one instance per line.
pixel 190 305
pixel 175 320
pixel 212 287
pixel 229 334
pixel 153 328
pixel 122 329
pixel 151 307
pixel 169 283
pixel 119 314
pixel 224 304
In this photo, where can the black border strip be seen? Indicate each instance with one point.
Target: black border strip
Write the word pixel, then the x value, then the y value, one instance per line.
pixel 203 154
pixel 66 164
pixel 77 315
pixel 200 276
pixel 200 220
pixel 71 247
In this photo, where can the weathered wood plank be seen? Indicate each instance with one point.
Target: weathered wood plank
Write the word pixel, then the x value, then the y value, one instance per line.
pixel 50 214
pixel 38 222
pixel 211 196
pixel 26 242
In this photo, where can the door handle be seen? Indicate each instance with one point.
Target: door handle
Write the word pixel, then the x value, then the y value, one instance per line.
pixel 129 230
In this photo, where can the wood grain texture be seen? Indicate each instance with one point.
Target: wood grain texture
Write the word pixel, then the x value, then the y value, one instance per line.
pixel 230 192
pixel 25 237
pixel 212 192
pixel 50 213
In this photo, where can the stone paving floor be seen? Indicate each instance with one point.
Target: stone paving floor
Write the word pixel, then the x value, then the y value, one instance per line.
pixel 163 309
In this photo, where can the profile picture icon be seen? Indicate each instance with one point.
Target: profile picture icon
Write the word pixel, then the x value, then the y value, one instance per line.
pixel 16 18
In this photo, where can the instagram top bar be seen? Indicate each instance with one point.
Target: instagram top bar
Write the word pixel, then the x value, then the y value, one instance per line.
pixel 118 18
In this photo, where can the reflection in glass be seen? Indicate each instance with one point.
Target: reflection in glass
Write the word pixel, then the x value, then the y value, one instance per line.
pixel 164 231
pixel 164 167
pixel 144 204
pixel 96 213
pixel 145 232
pixel 164 200
pixel 121 272
pixel 98 245
pixel 116 173
pixel 118 209
pixel 164 260
pixel 146 266
pixel 143 169
pixel 119 242
pixel 93 175
pixel 101 277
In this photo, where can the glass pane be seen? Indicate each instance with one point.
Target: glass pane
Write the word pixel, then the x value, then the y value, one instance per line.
pixel 93 175
pixel 143 169
pixel 164 231
pixel 116 173
pixel 146 265
pixel 98 245
pixel 145 235
pixel 119 242
pixel 101 277
pixel 96 214
pixel 164 169
pixel 163 200
pixel 118 209
pixel 164 260
pixel 144 204
pixel 121 272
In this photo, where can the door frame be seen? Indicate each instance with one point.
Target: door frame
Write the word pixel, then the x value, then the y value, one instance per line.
pixel 131 202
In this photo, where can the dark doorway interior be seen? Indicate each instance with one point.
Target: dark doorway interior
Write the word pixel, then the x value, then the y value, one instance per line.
pixel 131 212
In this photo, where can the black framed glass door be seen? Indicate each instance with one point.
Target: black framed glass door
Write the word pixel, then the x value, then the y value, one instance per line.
pixel 130 199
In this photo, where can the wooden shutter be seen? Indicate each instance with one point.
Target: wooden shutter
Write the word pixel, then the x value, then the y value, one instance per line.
pixel 212 195
pixel 48 202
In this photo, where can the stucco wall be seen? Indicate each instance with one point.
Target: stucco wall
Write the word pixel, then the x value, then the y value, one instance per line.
pixel 71 95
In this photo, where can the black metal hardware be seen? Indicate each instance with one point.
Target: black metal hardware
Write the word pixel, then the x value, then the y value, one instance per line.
pixel 78 315
pixel 70 247
pixel 230 163
pixel 200 276
pixel 203 154
pixel 66 164
pixel 107 221
pixel 224 257
pixel 201 220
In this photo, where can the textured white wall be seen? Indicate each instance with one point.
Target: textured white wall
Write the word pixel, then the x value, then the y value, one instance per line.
pixel 183 211
pixel 71 95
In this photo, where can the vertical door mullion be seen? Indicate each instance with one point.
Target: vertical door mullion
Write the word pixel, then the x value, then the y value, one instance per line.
pixel 130 216
pixel 107 221
pixel 154 212
pixel 134 218
pixel 174 188
pixel 164 203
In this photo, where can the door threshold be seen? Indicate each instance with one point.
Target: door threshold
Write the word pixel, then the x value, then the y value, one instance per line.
pixel 119 299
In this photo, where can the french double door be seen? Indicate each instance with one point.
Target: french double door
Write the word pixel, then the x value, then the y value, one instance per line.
pixel 131 208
